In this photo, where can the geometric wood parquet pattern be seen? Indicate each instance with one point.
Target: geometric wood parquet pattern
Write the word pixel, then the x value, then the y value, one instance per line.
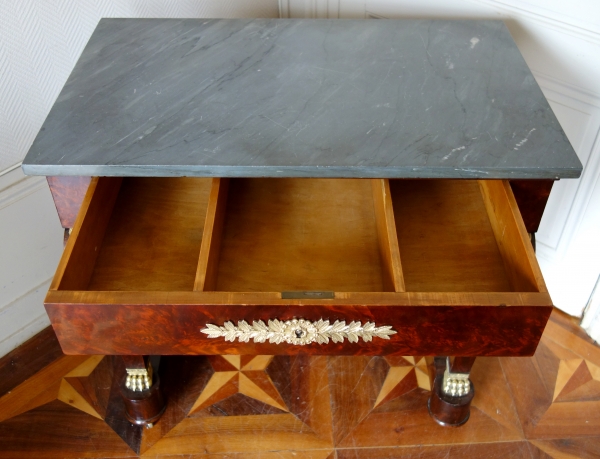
pixel 546 406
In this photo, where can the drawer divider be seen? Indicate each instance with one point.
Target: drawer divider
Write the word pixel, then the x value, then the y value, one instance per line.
pixel 388 238
pixel 79 257
pixel 208 261
pixel 513 242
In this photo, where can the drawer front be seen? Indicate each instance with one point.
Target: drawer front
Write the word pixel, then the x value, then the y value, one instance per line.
pixel 409 267
pixel 177 329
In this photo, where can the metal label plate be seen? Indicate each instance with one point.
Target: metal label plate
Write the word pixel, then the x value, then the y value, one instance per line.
pixel 306 295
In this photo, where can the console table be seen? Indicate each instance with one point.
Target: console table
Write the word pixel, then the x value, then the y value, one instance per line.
pixel 276 186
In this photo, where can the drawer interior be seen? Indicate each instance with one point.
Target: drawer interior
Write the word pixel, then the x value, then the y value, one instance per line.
pixel 279 235
pixel 153 237
pixel 445 237
pixel 300 234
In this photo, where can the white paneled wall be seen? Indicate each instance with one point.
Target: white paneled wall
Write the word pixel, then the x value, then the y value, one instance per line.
pixel 40 42
pixel 561 43
pixel 30 247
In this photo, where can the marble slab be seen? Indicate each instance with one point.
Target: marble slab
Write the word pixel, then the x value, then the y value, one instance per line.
pixel 302 98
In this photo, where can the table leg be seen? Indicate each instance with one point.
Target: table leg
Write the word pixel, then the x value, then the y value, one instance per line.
pixel 450 401
pixel 140 390
pixel 66 236
pixel 531 197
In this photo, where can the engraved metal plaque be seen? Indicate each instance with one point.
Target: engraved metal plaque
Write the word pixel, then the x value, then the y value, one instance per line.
pixel 307 295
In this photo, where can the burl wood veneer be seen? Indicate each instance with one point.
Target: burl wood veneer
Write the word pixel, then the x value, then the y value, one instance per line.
pixel 68 193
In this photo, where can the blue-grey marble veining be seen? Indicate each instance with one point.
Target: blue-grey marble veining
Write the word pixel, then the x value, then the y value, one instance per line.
pixel 302 98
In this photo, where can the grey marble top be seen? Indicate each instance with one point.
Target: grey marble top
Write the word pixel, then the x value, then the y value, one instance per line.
pixel 302 98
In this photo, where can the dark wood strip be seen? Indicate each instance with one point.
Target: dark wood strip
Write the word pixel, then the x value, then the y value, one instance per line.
pixel 582 447
pixel 115 418
pixel 134 361
pixel 531 197
pixel 462 364
pixel 27 359
pixel 57 430
pixel 499 450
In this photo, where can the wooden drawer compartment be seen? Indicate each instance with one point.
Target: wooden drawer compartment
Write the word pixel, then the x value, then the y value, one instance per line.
pixel 151 261
pixel 300 234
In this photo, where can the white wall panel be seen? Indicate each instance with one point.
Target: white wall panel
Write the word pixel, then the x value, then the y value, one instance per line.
pixel 591 317
pixel 581 15
pixel 458 9
pixel 581 123
pixel 23 318
pixel 30 247
pixel 31 235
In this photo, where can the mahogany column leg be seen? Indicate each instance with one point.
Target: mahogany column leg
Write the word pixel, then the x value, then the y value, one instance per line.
pixel 140 390
pixel 449 404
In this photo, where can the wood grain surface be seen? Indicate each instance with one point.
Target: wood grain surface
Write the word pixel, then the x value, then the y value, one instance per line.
pixel 68 193
pixel 446 240
pixel 300 234
pixel 208 261
pixel 153 237
pixel 517 252
pixel 81 251
pixel 388 240
pixel 29 358
pixel 164 329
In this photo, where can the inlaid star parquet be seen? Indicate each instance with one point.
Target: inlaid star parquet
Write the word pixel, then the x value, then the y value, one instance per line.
pixel 313 407
pixel 239 380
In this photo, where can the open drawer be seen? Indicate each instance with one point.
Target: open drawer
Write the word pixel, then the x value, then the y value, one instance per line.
pixel 284 266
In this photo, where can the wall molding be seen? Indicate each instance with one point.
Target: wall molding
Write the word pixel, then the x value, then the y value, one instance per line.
pixel 21 189
pixel 284 8
pixel 582 190
pixel 10 169
pixel 591 315
pixel 23 318
pixel 567 89
pixel 547 17
pixel 313 9
pixel 541 16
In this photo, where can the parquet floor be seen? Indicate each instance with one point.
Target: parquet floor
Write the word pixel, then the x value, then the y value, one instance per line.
pixel 547 406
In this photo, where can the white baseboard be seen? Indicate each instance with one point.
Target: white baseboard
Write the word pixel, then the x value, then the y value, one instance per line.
pixel 591 315
pixel 23 318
